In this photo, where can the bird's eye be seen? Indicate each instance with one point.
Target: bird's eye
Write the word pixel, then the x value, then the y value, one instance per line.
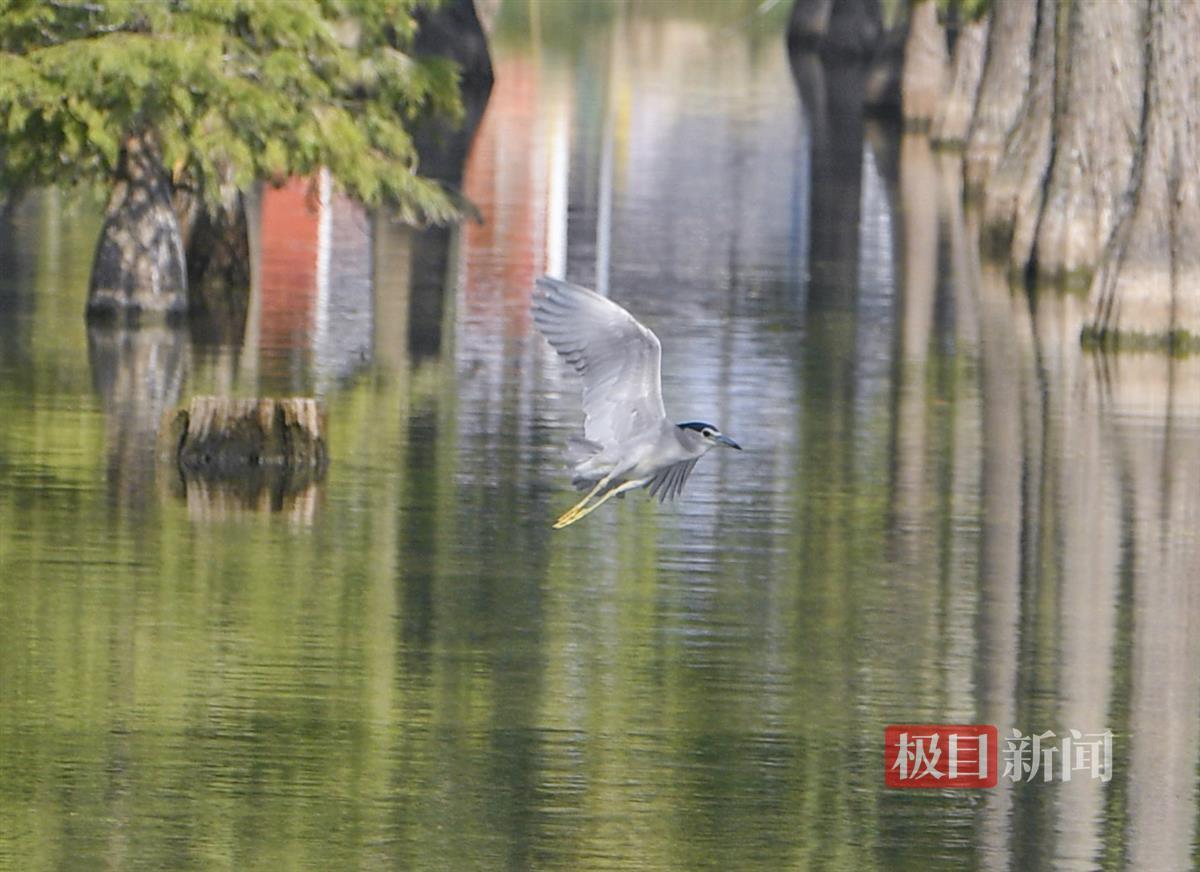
pixel 710 433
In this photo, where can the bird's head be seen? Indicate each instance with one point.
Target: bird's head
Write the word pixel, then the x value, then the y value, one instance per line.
pixel 710 434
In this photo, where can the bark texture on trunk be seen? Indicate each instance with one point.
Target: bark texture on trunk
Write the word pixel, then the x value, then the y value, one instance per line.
pixel 222 436
pixel 1096 186
pixel 1006 72
pixel 139 268
pixel 1147 290
pixel 953 118
pixel 1015 188
pixel 925 66
pixel 1093 150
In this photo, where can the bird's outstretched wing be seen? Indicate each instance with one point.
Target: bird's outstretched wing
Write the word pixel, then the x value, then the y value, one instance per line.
pixel 619 359
pixel 669 482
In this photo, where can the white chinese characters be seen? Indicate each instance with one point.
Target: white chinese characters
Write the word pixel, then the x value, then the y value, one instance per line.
pixel 1027 757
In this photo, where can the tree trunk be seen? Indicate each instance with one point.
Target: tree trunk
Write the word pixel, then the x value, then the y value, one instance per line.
pixel 831 92
pixel 225 437
pixel 953 120
pixel 925 62
pixel 850 28
pixel 1014 189
pixel 1097 187
pixel 139 264
pixel 1093 150
pixel 1147 290
pixel 217 242
pixel 1002 89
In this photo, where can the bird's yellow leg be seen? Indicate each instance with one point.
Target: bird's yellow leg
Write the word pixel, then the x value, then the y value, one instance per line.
pixel 579 511
pixel 569 514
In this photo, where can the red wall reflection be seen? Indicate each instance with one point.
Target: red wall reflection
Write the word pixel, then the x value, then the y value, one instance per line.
pixel 506 178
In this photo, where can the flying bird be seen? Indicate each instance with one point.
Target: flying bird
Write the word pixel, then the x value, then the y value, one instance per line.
pixel 628 442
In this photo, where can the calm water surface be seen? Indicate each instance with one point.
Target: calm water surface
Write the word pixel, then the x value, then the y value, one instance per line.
pixel 945 514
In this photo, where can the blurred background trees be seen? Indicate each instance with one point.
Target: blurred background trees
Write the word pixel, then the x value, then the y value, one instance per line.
pixel 181 107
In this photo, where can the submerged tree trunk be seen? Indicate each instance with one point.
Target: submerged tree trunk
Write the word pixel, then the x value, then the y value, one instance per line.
pixel 217 241
pixel 139 269
pixel 1147 289
pixel 1092 185
pixel 852 31
pixel 852 28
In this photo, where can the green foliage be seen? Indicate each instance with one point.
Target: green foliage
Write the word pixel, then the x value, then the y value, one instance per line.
pixel 246 89
pixel 964 10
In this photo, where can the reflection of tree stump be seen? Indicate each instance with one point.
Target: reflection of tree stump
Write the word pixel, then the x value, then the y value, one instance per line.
pixel 228 438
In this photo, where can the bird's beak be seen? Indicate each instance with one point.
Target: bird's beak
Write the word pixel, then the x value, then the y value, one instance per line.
pixel 725 440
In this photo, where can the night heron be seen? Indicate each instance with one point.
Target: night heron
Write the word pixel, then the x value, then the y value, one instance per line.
pixel 627 442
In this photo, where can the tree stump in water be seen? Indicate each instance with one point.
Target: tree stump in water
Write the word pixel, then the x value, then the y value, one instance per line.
pixel 221 437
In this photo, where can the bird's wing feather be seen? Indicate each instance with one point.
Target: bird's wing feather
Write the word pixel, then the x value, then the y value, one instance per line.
pixel 669 482
pixel 619 359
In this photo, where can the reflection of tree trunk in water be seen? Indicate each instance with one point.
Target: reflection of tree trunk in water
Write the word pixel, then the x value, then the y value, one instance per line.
pixel 916 533
pixel 832 94
pixel 1158 433
pixel 431 281
pixel 1083 524
pixel 966 445
pixel 963 256
pixel 391 284
pixel 910 490
pixel 836 137
pixel 138 374
pixel 139 264
pixel 1002 367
